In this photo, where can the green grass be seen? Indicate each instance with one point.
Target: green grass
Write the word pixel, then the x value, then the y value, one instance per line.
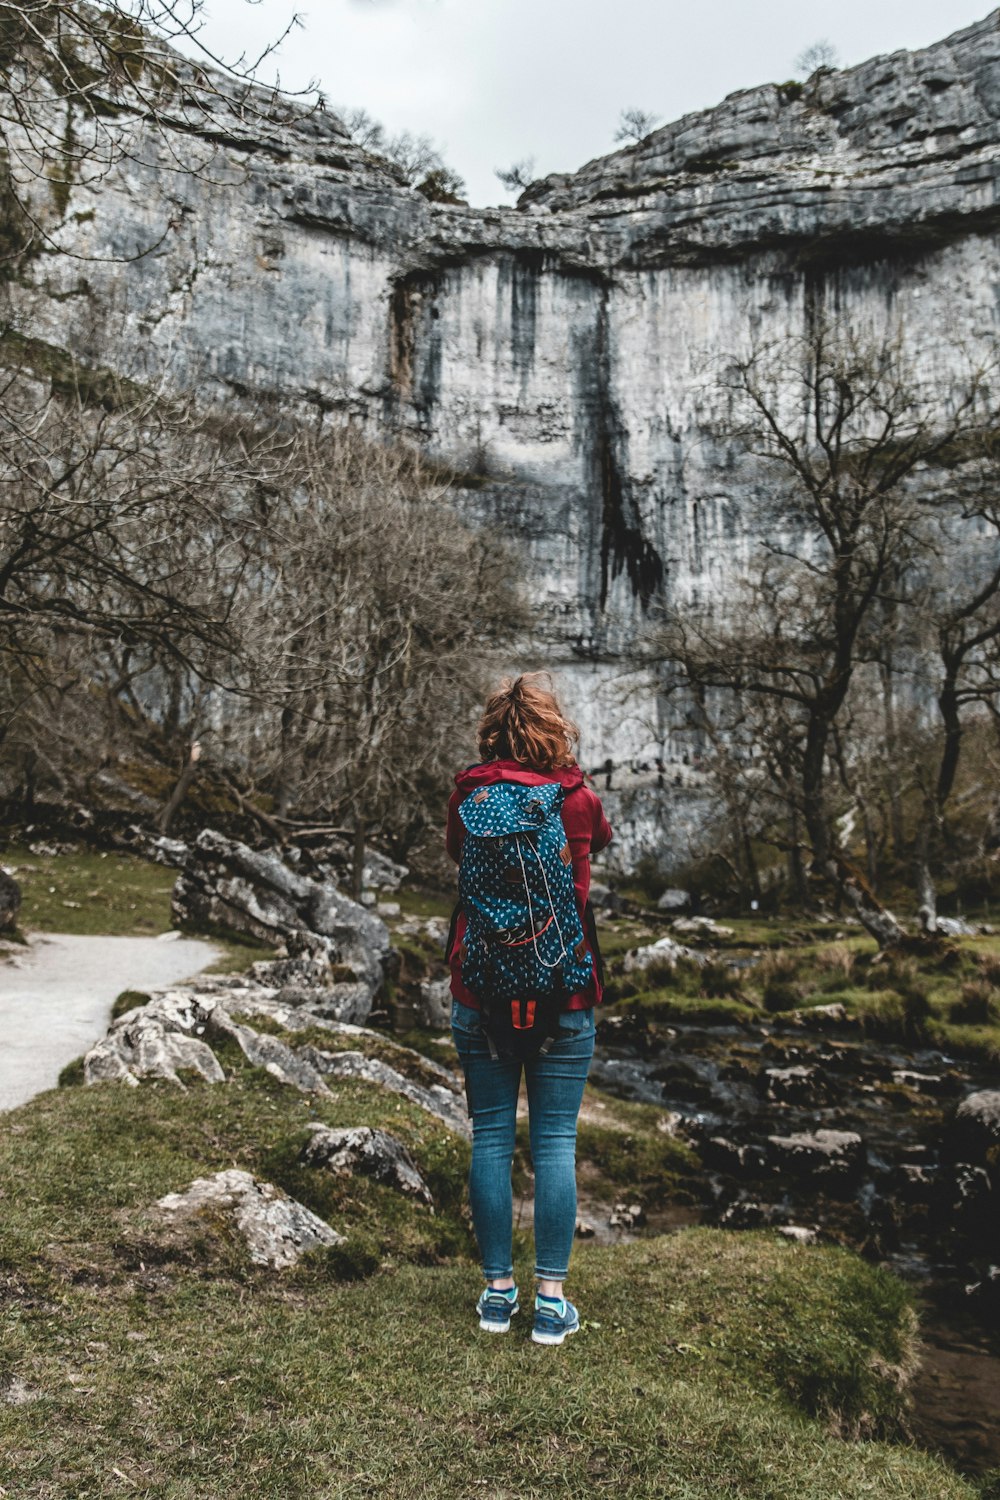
pixel 90 892
pixel 710 1363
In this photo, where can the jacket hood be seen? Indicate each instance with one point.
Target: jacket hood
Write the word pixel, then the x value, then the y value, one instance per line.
pixel 511 770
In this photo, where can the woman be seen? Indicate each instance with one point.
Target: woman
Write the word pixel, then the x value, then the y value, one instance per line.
pixel 524 737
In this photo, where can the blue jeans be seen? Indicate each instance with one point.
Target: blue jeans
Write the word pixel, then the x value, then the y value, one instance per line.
pixel 555 1091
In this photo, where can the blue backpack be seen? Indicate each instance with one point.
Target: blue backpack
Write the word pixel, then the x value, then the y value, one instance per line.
pixel 524 952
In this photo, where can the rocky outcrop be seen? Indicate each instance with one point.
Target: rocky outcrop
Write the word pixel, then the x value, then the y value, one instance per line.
pixel 371 1153
pixel 817 1154
pixel 276 1230
pixel 557 356
pixel 225 884
pixel 176 1031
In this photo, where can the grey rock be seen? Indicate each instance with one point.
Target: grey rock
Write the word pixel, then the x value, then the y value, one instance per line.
pixel 339 1002
pixel 435 1004
pixel 270 1053
pixel 799 1234
pixel 276 1229
pixel 674 900
pixel 818 1153
pixel 627 1216
pixel 226 884
pixel 372 1153
pixel 10 900
pixel 664 951
pixel 439 1101
pixel 974 1132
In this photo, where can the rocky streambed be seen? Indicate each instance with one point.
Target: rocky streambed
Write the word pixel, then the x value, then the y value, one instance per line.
pixel 886 1147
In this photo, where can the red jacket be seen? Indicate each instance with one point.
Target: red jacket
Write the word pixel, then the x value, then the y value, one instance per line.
pixel 587 831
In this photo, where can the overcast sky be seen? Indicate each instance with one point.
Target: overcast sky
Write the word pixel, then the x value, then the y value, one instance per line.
pixel 493 81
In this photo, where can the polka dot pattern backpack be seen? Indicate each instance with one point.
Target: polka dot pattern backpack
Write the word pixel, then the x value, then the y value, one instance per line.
pixel 524 951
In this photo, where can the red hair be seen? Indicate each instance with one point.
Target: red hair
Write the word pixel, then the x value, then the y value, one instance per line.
pixel 523 721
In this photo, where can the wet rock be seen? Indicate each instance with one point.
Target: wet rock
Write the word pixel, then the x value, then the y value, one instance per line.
pixel 701 927
pixel 625 1030
pixel 974 1132
pixel 584 1230
pixel 795 1085
pixel 937 1085
pixel 603 898
pixel 439 1101
pixel 10 900
pixel 276 1229
pixel 674 900
pixel 627 1216
pixel 833 1154
pixel 737 1160
pixel 972 1197
pixel 984 1293
pixel 916 1182
pixel 749 1213
pixel 370 1153
pixel 156 1041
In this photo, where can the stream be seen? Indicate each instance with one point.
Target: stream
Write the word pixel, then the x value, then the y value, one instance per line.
pixel 745 1097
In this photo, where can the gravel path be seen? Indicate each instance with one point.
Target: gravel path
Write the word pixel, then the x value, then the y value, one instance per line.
pixel 56 998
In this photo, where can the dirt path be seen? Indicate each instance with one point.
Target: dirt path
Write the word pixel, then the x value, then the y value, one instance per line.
pixel 56 998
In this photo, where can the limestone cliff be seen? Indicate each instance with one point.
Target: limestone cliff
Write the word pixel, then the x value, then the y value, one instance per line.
pixel 556 355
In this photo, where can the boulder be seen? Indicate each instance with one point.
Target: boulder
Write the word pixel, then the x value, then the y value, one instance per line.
pixel 10 900
pixel 700 927
pixel 799 1234
pixel 435 1004
pixel 817 1154
pixel 276 1229
pixel 155 1041
pixel 603 898
pixel 664 951
pixel 381 873
pixel 627 1216
pixel 795 1085
pixel 674 900
pixel 974 1131
pixel 224 883
pixel 369 1152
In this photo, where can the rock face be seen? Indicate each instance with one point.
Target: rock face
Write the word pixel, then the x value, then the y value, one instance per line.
pixel 276 1229
pixel 557 355
pixel 223 883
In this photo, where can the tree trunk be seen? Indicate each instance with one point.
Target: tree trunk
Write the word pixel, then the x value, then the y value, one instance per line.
pixel 870 912
pixel 180 791
pixel 923 879
pixel 892 761
pixel 358 857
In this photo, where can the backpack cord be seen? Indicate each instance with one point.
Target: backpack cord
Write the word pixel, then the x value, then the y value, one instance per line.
pixel 531 916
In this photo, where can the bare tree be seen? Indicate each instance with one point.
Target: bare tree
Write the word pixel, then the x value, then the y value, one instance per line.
pixel 836 430
pixel 82 88
pixel 518 176
pixel 418 162
pixel 819 54
pixel 636 124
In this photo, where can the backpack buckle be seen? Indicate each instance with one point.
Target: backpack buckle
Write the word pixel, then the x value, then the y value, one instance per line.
pixel 522 1014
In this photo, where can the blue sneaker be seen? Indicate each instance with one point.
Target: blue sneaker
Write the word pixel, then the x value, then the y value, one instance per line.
pixel 496 1308
pixel 554 1319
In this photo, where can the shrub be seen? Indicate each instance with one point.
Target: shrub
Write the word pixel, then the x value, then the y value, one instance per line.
pixel 978 1004
pixel 721 981
pixel 780 986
